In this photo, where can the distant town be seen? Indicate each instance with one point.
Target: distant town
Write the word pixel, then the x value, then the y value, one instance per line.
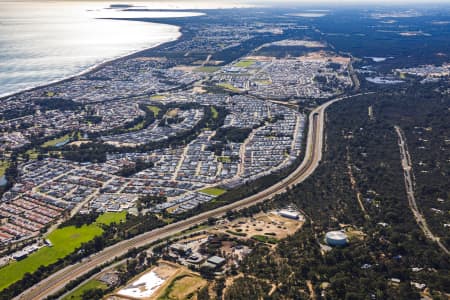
pixel 272 133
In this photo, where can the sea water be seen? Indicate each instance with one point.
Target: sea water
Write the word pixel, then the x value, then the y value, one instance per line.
pixel 45 41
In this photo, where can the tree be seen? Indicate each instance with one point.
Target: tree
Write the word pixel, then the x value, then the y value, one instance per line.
pixel 92 294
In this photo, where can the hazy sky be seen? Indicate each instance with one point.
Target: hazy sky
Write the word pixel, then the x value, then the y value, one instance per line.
pixel 239 3
pixel 351 1
pixel 271 1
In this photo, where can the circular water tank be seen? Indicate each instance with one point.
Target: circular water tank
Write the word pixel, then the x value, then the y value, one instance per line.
pixel 336 238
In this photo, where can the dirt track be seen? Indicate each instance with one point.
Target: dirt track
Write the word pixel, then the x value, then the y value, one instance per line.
pixel 409 185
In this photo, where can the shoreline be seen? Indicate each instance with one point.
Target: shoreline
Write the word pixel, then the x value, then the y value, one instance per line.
pixel 98 65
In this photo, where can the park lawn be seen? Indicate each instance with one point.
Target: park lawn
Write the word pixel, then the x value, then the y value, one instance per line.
pixel 224 159
pixel 154 109
pixel 245 63
pixel 52 143
pixel 228 86
pixel 183 286
pixel 138 126
pixel 111 217
pixel 78 292
pixel 3 166
pixel 207 69
pixel 214 112
pixel 65 240
pixel 213 191
pixel 33 153
pixel 157 97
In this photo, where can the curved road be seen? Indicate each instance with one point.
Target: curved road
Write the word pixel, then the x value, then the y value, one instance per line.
pixel 313 155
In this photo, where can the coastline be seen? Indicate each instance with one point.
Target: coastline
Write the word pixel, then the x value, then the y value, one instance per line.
pixel 98 65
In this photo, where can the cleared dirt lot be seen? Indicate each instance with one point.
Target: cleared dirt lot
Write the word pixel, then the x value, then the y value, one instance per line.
pixel 269 224
pixel 179 283
pixel 165 270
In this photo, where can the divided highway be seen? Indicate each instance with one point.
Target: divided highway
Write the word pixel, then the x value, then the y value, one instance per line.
pixel 313 155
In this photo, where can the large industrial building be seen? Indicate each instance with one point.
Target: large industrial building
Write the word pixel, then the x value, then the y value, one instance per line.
pixel 291 214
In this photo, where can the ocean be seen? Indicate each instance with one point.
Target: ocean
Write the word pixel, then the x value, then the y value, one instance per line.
pixel 46 41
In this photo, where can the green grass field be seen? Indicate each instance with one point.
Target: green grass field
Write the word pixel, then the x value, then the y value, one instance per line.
pixel 184 286
pixel 138 126
pixel 65 240
pixel 3 166
pixel 157 97
pixel 33 153
pixel 207 69
pixel 52 143
pixel 154 109
pixel 111 217
pixel 78 292
pixel 224 159
pixel 214 112
pixel 228 87
pixel 245 63
pixel 213 191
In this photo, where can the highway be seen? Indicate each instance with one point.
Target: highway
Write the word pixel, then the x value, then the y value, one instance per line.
pixel 313 156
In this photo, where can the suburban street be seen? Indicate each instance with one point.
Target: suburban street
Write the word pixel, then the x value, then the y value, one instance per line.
pixel 224 150
pixel 312 158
